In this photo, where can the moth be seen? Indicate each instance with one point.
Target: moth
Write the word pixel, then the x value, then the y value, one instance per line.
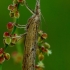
pixel 30 42
pixel 31 38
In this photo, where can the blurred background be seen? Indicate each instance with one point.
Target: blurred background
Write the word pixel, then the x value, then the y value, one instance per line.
pixel 57 26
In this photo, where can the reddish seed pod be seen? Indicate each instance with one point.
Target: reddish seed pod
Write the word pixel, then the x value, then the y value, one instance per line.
pixel 44 49
pixel 2 59
pixel 1 51
pixel 10 25
pixel 6 34
pixel 12 7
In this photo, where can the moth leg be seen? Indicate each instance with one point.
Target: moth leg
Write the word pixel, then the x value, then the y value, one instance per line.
pixel 29 9
pixel 21 36
pixel 20 26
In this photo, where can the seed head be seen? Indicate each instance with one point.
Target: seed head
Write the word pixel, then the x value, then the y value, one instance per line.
pixel 6 34
pixel 10 25
pixel 44 36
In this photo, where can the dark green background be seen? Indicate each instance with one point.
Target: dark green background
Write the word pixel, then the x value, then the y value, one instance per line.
pixel 57 26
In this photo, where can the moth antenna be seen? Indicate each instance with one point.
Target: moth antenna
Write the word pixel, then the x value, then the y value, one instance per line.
pixel 43 18
pixel 38 10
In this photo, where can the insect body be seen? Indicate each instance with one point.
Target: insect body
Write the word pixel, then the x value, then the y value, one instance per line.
pixel 31 39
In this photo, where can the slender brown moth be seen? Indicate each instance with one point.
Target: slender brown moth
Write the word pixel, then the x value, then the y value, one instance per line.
pixel 31 39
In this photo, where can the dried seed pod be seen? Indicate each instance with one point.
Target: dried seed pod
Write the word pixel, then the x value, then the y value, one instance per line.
pixel 41 56
pixel 7 56
pixel 16 14
pixel 44 36
pixel 40 32
pixel 11 7
pixel 14 39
